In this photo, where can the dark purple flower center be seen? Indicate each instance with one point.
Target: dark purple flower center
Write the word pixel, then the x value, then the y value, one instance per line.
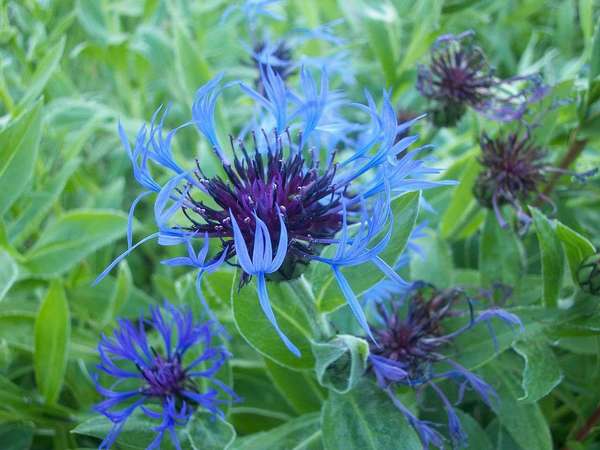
pixel 414 341
pixel 279 59
pixel 165 378
pixel 513 169
pixel 266 185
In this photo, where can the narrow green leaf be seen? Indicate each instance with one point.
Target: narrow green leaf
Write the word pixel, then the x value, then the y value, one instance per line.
pixel 291 302
pixel 542 372
pixel 301 433
pixel 341 362
pixel 71 238
pixel 298 387
pixel 500 257
pixel 524 421
pixel 52 332
pixel 586 18
pixel 40 203
pixel 461 202
pixel 44 70
pixel 595 55
pixel 366 419
pixel 19 144
pixel 577 248
pixel 120 294
pixel 8 272
pixel 552 258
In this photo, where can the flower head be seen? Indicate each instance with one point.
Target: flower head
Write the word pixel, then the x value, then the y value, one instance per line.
pixel 588 274
pixel 513 173
pixel 283 194
pixel 160 375
pixel 458 76
pixel 277 56
pixel 411 349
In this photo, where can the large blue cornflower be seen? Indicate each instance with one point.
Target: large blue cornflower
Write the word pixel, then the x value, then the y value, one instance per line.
pixel 459 76
pixel 284 194
pixel 410 351
pixel 160 375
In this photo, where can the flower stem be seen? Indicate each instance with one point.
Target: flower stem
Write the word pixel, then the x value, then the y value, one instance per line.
pixel 575 148
pixel 589 425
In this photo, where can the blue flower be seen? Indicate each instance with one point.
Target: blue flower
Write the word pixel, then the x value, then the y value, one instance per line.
pixel 409 351
pixel 166 382
pixel 288 198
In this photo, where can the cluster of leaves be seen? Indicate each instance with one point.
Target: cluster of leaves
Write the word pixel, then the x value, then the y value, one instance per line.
pixel 69 72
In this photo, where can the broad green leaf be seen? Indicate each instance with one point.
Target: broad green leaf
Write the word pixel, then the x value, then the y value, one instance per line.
pixel 202 432
pixel 329 296
pixel 461 202
pixel 577 248
pixel 301 433
pixel 8 272
pixel 292 302
pixel 500 258
pixel 40 203
pixel 436 266
pixel 44 70
pixel 477 437
pixel 366 419
pixel 71 238
pixel 552 258
pixel 190 66
pixel 542 372
pixel 298 387
pixel 52 334
pixel 19 144
pixel 524 421
pixel 16 435
pixel 341 362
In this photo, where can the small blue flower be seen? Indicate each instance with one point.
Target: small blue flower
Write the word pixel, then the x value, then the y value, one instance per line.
pixel 409 351
pixel 289 197
pixel 165 381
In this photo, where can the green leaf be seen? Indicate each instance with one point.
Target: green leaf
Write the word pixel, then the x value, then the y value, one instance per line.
pixel 120 294
pixel 40 203
pixel 71 238
pixel 202 432
pixel 524 421
pixel 500 258
pixel 542 372
pixel 586 18
pixel 291 301
pixel 16 435
pixel 44 70
pixel 19 143
pixel 595 55
pixel 461 202
pixel 366 419
pixel 8 272
pixel 577 248
pixel 52 333
pixel 477 437
pixel 329 296
pixel 552 259
pixel 436 266
pixel 341 362
pixel 301 433
pixel 298 387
